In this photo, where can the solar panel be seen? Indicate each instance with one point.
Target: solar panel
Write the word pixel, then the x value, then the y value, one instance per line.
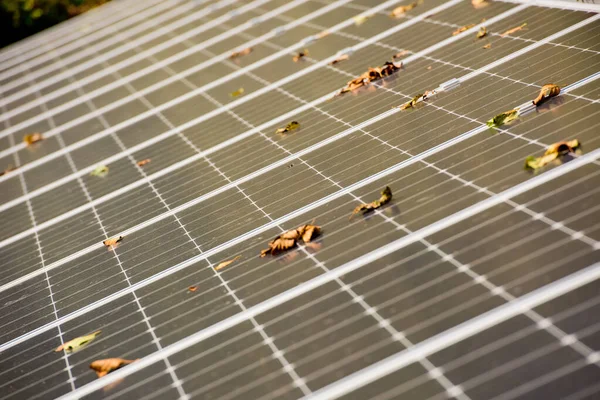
pixel 478 280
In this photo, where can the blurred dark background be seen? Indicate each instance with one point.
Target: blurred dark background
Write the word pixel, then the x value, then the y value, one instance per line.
pixel 22 18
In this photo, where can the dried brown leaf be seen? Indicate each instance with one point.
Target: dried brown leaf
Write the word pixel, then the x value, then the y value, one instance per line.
pixel 291 238
pixel 400 11
pixel 373 74
pixel 386 196
pixel 553 152
pixel 300 55
pixel 289 127
pixel 7 170
pixel 108 365
pixel 340 58
pixel 548 90
pixel 462 29
pixel 143 162
pixel 112 241
pixel 32 138
pixel 193 288
pixel 227 263
pixel 513 30
pixel 241 53
pixel 400 54
pixel 482 32
pixel 488 46
pixel 413 102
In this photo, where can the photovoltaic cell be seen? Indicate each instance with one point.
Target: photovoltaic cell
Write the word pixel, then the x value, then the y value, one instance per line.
pixel 477 281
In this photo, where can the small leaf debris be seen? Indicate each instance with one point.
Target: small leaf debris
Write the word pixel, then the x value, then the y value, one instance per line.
pixel 289 127
pixel 548 90
pixel 226 263
pixel 417 99
pixel 482 33
pixel 241 53
pixel 143 162
pixel 487 46
pixel 339 59
pixel 503 118
pixel 553 152
pixel 112 241
pixel 108 365
pixel 479 3
pixel 32 138
pixel 193 288
pixel 77 343
pixel 237 93
pixel 462 29
pixel 291 238
pixel 361 19
pixel 300 55
pixel 386 196
pixel 400 11
pixel 400 54
pixel 7 170
pixel 100 171
pixel 513 30
pixel 371 75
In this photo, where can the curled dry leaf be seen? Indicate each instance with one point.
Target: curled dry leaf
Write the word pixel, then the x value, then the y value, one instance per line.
pixel 289 127
pixel 548 90
pixel 340 58
pixel 237 93
pixel 482 32
pixel 7 170
pixel 400 11
pixel 386 196
pixel 503 118
pixel 193 288
pixel 112 241
pixel 462 29
pixel 400 54
pixel 143 162
pixel 241 53
pixel 108 365
pixel 77 343
pixel 373 74
pixel 417 99
pixel 553 152
pixel 227 263
pixel 291 238
pixel 300 55
pixel 513 30
pixel 100 171
pixel 32 138
pixel 488 46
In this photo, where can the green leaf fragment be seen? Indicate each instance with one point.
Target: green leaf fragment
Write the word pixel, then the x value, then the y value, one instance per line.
pixel 77 343
pixel 503 118
pixel 100 171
